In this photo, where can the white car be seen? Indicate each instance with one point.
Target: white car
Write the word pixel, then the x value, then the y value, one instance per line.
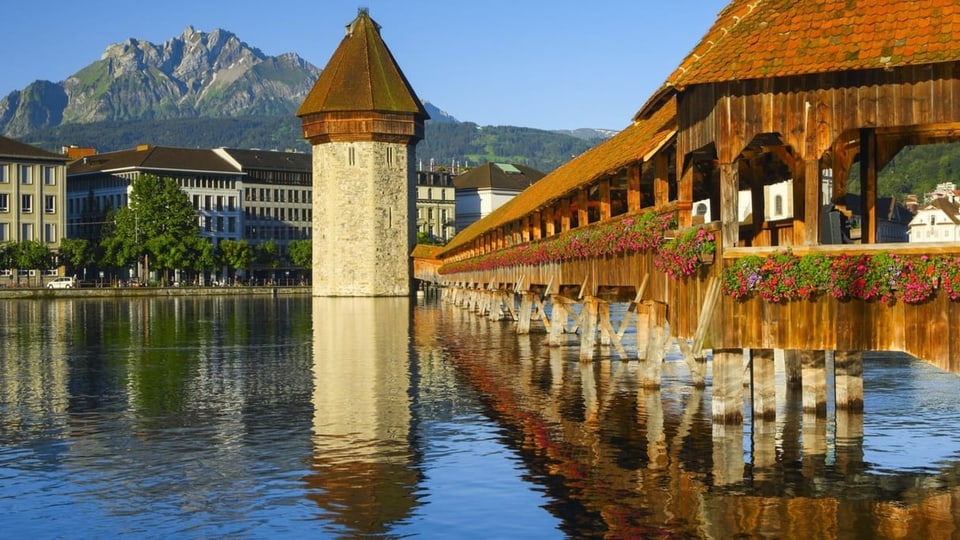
pixel 62 283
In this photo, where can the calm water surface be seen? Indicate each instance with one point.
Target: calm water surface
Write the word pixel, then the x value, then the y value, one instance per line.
pixel 343 418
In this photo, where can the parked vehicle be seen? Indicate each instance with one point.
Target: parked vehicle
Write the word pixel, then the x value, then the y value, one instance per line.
pixel 62 283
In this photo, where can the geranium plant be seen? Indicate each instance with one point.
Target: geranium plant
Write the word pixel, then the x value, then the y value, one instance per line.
pixel 883 277
pixel 684 255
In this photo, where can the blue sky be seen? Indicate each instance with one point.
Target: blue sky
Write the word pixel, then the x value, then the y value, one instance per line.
pixel 560 64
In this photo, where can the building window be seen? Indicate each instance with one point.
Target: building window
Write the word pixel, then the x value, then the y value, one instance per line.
pixel 3 173
pixel 219 203
pixel 206 202
pixel 351 156
pixel 196 202
pixel 49 176
pixel 26 204
pixel 26 231
pixel 231 205
pixel 26 176
pixel 231 225
pixel 389 156
pixel 4 202
pixel 50 232
pixel 778 205
pixel 219 223
pixel 4 232
pixel 49 204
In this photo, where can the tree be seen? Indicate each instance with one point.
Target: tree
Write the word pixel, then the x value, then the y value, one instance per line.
pixel 301 253
pixel 31 255
pixel 235 254
pixel 159 223
pixel 268 255
pixel 75 253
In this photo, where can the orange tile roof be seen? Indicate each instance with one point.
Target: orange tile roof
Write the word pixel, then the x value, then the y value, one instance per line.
pixel 362 75
pixel 628 146
pixel 755 39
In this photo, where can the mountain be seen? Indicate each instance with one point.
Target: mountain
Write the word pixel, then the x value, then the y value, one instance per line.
pixel 206 90
pixel 197 74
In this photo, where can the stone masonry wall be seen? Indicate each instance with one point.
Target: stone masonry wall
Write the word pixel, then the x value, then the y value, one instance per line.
pixel 363 218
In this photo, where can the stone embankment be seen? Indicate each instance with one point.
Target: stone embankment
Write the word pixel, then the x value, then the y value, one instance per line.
pixel 126 292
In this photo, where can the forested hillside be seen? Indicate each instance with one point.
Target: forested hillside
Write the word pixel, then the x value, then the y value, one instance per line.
pixel 446 142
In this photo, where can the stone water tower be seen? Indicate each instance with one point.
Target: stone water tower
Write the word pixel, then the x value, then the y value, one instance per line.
pixel 364 121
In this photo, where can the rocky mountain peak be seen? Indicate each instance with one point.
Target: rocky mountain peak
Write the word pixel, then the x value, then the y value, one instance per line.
pixel 194 74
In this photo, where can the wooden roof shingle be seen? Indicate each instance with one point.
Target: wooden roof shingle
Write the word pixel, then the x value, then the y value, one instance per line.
pixel 758 39
pixel 775 38
pixel 362 75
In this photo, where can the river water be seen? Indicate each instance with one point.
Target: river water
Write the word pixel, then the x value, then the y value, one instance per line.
pixel 296 417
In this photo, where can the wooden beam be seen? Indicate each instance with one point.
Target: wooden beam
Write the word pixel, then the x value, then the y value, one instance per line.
pixel 633 188
pixel 605 199
pixel 685 194
pixel 661 180
pixel 811 203
pixel 729 220
pixel 868 186
pixel 583 217
pixel 565 214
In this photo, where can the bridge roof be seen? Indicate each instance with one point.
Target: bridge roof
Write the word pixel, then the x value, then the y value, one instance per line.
pixel 362 75
pixel 757 39
pixel 630 145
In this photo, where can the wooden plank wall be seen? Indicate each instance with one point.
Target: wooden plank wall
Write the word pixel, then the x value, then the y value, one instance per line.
pixel 810 112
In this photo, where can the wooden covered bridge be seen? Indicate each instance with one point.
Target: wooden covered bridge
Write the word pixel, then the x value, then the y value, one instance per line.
pixel 776 97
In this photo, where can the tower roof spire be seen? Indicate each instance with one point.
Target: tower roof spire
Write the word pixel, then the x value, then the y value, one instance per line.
pixel 362 75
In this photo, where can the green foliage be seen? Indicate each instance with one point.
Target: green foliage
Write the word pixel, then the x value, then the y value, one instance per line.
pixel 268 255
pixel 75 253
pixel 445 142
pixel 31 255
pixel 235 254
pixel 301 253
pixel 160 223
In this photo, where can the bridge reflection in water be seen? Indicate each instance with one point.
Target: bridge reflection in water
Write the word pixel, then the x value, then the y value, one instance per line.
pixel 643 462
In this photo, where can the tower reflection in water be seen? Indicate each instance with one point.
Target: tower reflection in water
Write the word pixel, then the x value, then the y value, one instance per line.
pixel 363 472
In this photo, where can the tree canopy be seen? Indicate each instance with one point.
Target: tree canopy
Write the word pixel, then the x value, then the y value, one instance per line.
pixel 159 223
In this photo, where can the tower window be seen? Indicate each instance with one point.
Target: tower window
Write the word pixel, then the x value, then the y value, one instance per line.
pixel 351 156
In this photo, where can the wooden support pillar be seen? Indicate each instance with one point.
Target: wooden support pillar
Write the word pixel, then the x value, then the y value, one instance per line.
pixel 791 368
pixel 811 202
pixel 685 193
pixel 661 180
pixel 549 223
pixel 814 367
pixel 848 378
pixel 696 362
pixel 564 215
pixel 644 324
pixel 868 186
pixel 729 220
pixel 558 322
pixel 525 229
pixel 728 386
pixel 536 231
pixel 634 200
pixel 526 310
pixel 583 216
pixel 588 328
pixel 605 199
pixel 651 364
pixel 763 384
